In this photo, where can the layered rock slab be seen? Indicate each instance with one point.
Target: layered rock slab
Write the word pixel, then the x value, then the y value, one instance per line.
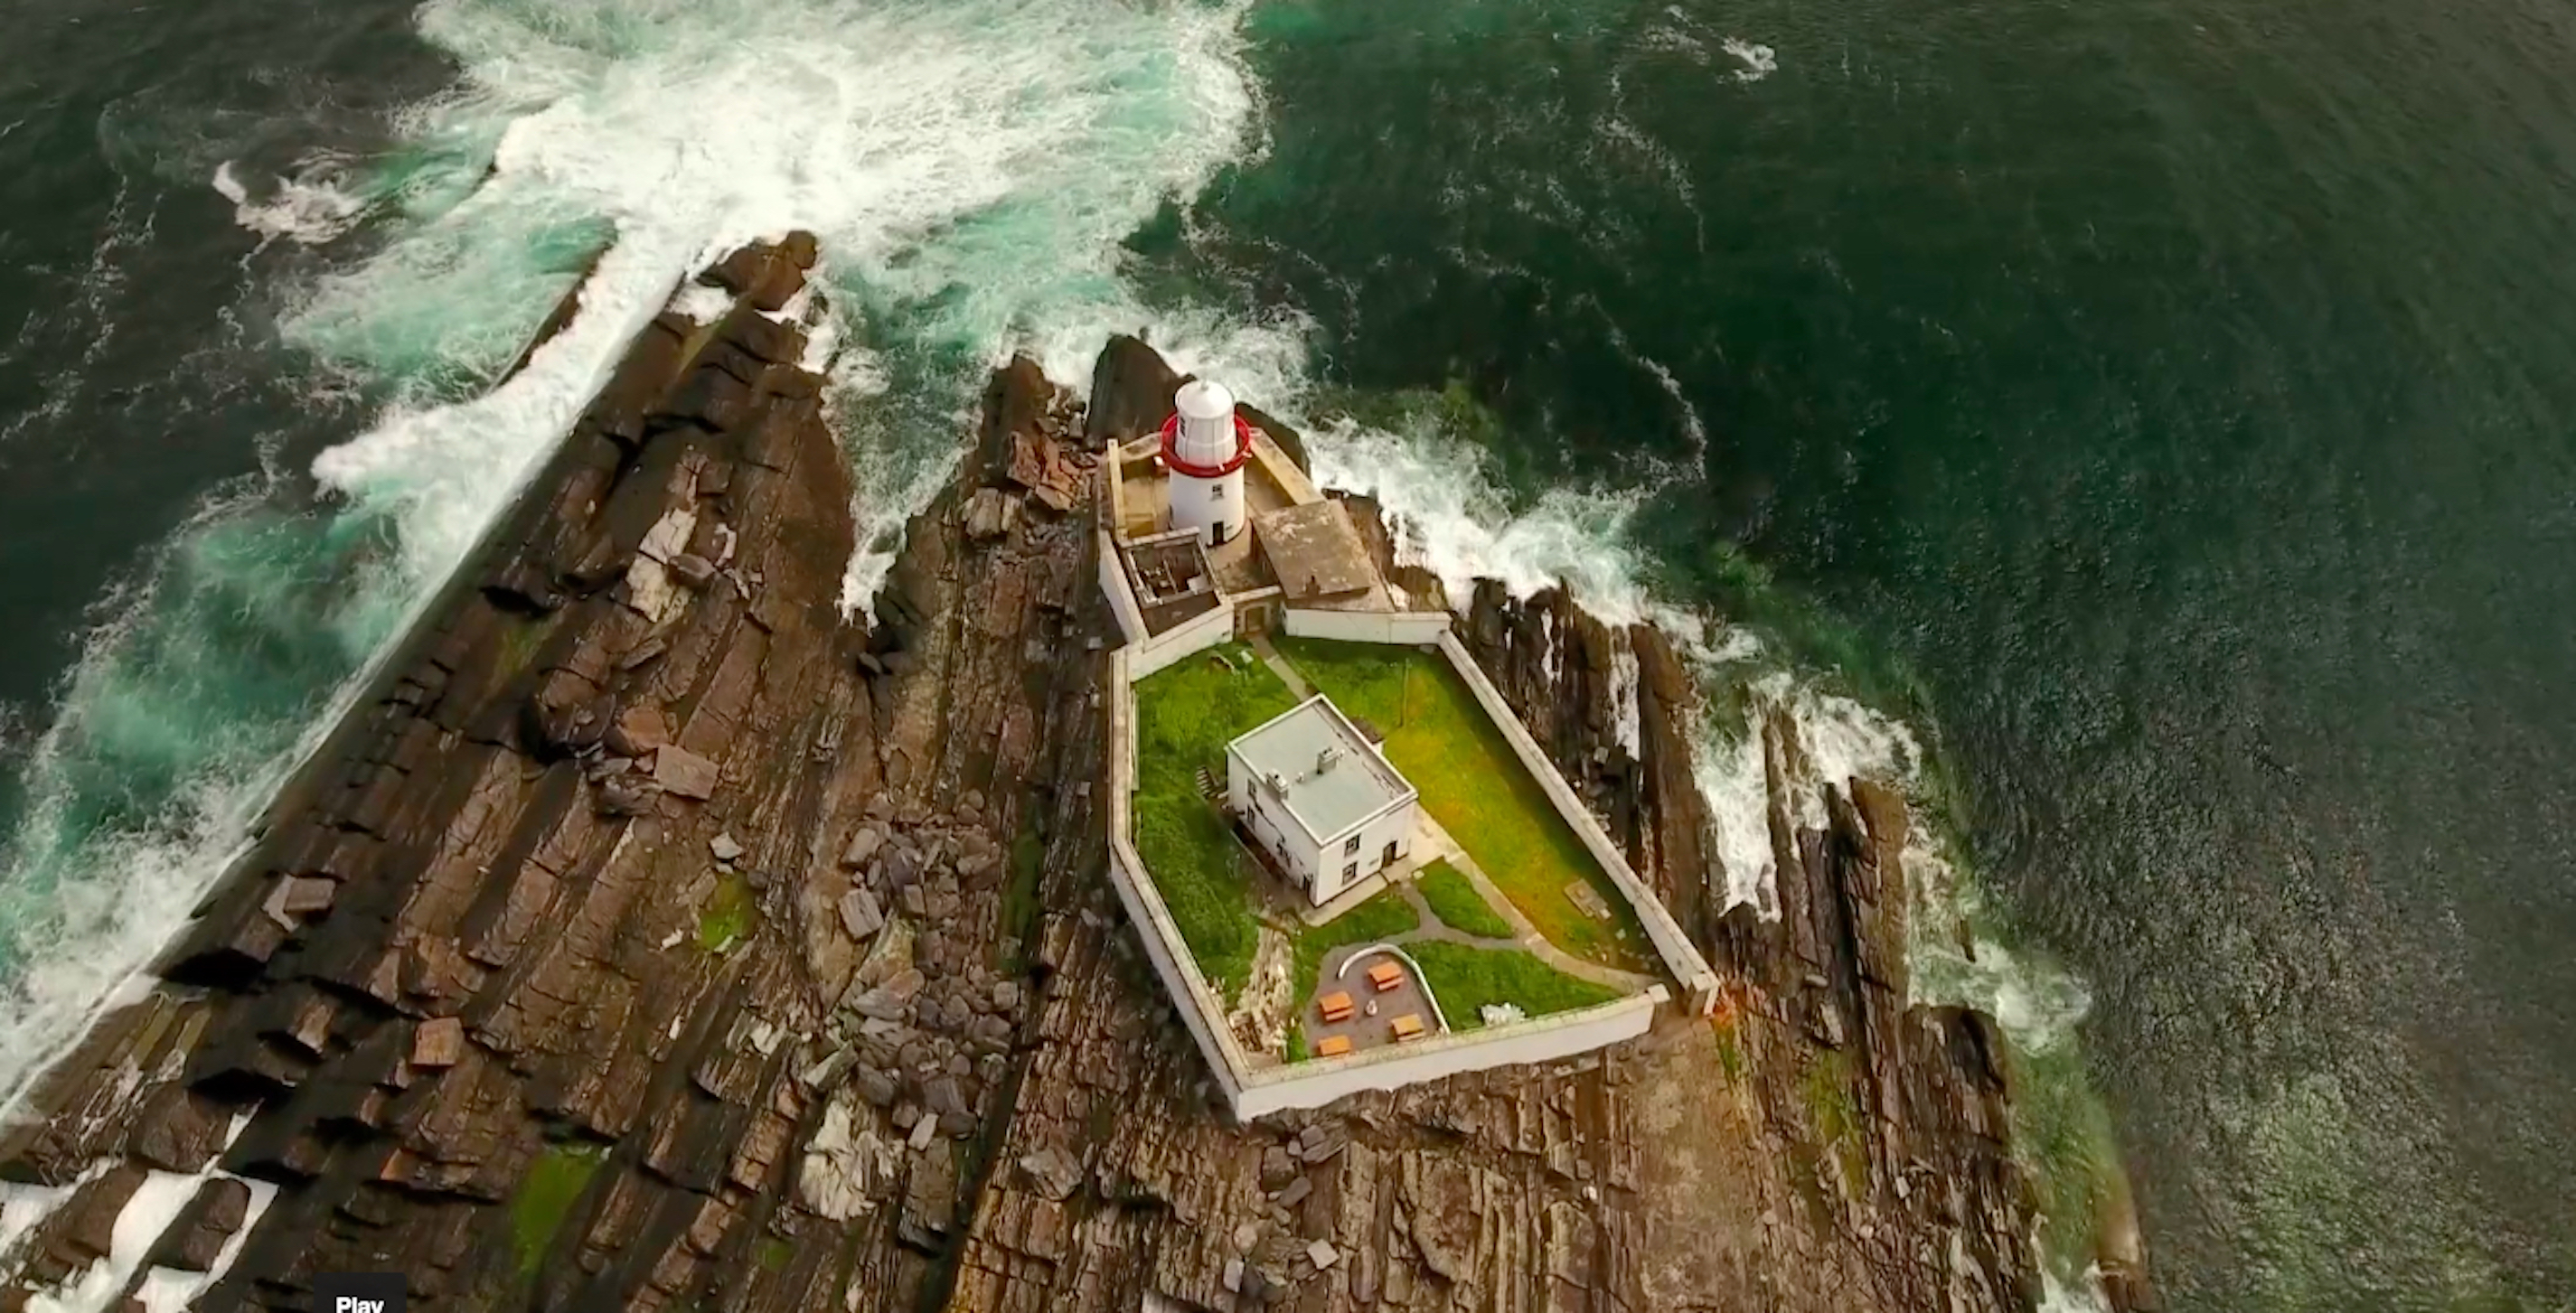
pixel 687 944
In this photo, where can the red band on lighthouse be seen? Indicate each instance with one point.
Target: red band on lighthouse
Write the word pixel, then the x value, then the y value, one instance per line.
pixel 1172 457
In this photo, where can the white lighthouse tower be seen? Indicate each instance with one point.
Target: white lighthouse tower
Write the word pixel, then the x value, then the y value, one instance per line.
pixel 1204 447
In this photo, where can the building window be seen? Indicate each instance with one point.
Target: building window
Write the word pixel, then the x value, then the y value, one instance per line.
pixel 1216 492
pixel 1352 846
pixel 1350 872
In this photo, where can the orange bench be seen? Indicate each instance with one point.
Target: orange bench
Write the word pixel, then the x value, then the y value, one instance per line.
pixel 1334 1007
pixel 1385 976
pixel 1408 1026
pixel 1333 1046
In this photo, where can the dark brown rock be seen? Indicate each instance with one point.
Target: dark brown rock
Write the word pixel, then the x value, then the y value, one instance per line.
pixel 195 1239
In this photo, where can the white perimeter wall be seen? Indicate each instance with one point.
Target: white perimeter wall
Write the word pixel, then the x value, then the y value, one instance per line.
pixel 1313 1084
pixel 1198 635
pixel 1198 1005
pixel 1411 627
pixel 1699 984
pixel 1149 654
pixel 1122 595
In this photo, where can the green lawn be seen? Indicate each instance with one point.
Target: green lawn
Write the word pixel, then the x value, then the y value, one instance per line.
pixel 1382 916
pixel 1185 716
pixel 1454 900
pixel 1465 979
pixel 1473 784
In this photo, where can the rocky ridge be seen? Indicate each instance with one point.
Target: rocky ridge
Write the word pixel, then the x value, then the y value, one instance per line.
pixel 652 936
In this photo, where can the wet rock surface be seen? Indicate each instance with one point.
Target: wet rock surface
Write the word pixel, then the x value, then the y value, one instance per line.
pixel 691 945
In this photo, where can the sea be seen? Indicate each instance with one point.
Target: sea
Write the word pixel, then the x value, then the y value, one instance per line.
pixel 2142 428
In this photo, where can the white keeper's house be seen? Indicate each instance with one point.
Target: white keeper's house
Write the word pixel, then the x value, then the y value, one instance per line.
pixel 1319 798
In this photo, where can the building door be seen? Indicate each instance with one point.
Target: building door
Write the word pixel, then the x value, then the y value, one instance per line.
pixel 1389 859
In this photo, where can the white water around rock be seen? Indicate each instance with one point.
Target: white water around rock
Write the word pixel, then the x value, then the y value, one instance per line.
pixel 971 168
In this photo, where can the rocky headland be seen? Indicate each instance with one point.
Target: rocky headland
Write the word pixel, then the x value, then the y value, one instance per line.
pixel 653 935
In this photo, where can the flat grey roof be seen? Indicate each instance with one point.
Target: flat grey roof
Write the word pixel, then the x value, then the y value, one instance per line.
pixel 1314 551
pixel 1352 786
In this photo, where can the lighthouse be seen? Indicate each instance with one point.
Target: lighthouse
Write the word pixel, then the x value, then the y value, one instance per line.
pixel 1204 447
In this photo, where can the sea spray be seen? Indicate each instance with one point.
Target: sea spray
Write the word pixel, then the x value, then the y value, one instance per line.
pixel 971 169
pixel 1453 519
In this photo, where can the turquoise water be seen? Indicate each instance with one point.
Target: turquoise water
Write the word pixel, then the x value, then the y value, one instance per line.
pixel 2140 426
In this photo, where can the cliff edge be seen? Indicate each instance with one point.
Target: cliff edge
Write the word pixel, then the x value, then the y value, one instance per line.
pixel 652 935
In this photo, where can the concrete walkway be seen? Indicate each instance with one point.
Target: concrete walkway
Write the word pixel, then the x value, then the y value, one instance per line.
pixel 1279 666
pixel 1529 938
pixel 1432 929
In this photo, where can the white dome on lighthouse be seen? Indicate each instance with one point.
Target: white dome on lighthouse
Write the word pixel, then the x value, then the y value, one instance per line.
pixel 1207 436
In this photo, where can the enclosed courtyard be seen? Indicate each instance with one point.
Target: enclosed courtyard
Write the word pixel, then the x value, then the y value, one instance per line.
pixel 1503 913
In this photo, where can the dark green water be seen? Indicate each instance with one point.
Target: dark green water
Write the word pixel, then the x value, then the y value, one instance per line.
pixel 2169 406
pixel 2163 408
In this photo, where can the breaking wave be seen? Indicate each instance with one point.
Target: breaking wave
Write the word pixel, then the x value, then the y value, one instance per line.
pixel 971 167
pixel 1455 519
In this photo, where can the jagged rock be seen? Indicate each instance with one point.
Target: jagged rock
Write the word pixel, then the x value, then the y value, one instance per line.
pixel 1051 1173
pixel 196 1237
pixel 89 1221
pixel 177 1130
pixel 990 514
pixel 636 731
pixel 942 1096
pixel 860 915
pixel 439 1042
pixel 902 868
pixel 692 570
pixel 1322 1254
pixel 490 890
pixel 882 1004
pixel 863 846
pixel 875 1086
pixel 834 1178
pixel 682 773
pixel 621 798
pixel 826 1072
pixel 1277 1169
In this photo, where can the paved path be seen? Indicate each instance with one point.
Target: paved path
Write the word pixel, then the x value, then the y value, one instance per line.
pixel 1279 666
pixel 1525 936
pixel 1625 981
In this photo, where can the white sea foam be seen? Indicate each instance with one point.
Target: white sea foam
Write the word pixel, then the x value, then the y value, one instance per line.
pixel 311 207
pixel 1759 60
pixel 971 168
pixel 1451 519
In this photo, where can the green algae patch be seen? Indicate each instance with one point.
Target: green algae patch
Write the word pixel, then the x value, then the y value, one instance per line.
pixel 554 1183
pixel 726 919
